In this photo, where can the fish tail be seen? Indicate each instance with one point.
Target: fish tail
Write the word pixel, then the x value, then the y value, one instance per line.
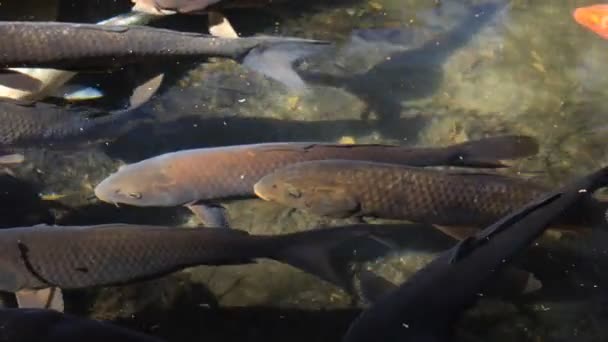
pixel 488 152
pixel 329 253
pixel 275 59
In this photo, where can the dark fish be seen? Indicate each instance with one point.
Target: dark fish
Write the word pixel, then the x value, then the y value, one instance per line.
pixel 36 83
pixel 41 124
pixel 74 46
pixel 343 188
pixel 426 307
pixel 26 125
pixel 186 177
pixel 39 325
pixel 41 257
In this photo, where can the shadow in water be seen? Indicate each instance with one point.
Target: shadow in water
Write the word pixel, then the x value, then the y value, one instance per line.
pixel 409 75
pixel 189 322
pixel 20 204
pixel 101 213
pixel 196 132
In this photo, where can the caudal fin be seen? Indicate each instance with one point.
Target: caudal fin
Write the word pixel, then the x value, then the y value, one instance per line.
pixel 276 58
pixel 330 252
pixel 488 152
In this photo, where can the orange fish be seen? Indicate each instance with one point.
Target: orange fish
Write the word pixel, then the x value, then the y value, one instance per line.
pixel 594 17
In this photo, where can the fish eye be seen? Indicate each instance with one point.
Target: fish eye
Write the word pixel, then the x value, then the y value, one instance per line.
pixel 136 195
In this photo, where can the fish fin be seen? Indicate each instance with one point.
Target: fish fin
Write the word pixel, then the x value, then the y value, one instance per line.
pixel 15 158
pixel 334 202
pixel 219 26
pixel 324 252
pixel 210 214
pixel 514 281
pixel 373 286
pixel 76 92
pixel 458 233
pixel 48 298
pixel 488 152
pixel 144 92
pixel 16 80
pixel 276 61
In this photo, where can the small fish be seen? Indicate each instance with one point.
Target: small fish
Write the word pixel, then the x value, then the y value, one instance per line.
pixel 594 18
pixel 33 84
pixel 200 176
pixel 74 46
pixel 37 262
pixel 426 306
pixel 40 325
pixel 456 199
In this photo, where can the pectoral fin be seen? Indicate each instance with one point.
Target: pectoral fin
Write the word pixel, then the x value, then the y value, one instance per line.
pixel 458 233
pixel 144 92
pixel 332 202
pixel 219 26
pixel 49 298
pixel 514 281
pixel 210 215
pixel 16 80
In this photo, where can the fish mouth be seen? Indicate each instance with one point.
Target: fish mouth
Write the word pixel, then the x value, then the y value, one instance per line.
pixel 105 194
pixel 258 191
pixel 580 16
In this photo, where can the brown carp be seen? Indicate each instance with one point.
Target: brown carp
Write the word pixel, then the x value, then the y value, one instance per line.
pixel 344 188
pixel 207 174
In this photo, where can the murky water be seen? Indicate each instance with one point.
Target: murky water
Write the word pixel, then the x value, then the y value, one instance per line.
pixel 412 72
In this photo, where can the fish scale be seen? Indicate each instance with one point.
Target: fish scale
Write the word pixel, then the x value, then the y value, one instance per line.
pixel 342 188
pixel 431 196
pixel 205 174
pixel 32 125
pixel 78 45
pixel 114 254
pixel 71 257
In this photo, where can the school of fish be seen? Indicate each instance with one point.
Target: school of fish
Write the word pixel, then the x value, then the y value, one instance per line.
pixel 457 189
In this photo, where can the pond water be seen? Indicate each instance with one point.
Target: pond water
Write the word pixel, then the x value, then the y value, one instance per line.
pixel 407 72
